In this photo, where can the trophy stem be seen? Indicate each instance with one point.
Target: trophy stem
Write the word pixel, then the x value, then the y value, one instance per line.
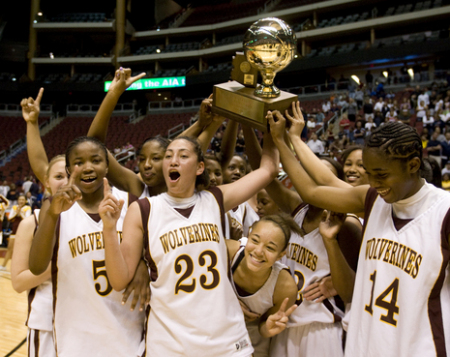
pixel 267 89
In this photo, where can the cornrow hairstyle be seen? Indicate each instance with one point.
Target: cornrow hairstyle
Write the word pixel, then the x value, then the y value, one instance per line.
pixel 84 139
pixel 163 142
pixel 212 157
pixel 285 222
pixel 202 180
pixel 397 140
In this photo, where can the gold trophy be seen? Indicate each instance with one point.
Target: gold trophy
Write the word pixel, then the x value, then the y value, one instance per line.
pixel 269 46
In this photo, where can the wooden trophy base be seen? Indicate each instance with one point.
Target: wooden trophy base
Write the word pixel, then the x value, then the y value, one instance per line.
pixel 234 101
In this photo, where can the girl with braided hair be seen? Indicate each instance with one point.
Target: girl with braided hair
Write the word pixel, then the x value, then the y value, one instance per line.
pixel 400 303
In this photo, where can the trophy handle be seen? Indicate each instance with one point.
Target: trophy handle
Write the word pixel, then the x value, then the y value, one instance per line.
pixel 267 89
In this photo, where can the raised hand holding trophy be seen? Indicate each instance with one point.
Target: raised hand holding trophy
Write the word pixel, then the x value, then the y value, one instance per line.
pixel 269 46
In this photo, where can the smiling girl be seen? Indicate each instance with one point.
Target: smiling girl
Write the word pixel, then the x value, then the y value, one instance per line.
pixel 262 284
pixel 194 310
pixel 402 275
pixel 39 319
pixel 70 236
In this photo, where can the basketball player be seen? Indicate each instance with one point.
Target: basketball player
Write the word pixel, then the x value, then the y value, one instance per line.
pixel 39 319
pixel 193 306
pixel 70 234
pixel 402 304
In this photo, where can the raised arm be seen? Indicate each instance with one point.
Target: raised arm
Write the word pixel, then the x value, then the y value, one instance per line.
pixel 204 119
pixel 206 135
pixel 288 200
pixel 241 190
pixel 122 80
pixel 35 148
pixel 342 275
pixel 336 199
pixel 123 258
pixel 310 162
pixel 120 176
pixel 228 143
pixel 21 277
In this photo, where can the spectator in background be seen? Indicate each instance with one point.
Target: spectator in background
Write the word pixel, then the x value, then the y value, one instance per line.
pixel 315 144
pixel 434 147
pixel 421 110
pixel 405 104
pixel 446 181
pixel 359 133
pixel 240 143
pixel 370 125
pixel 13 194
pixel 318 115
pixel 404 116
pixel 359 97
pixel 379 105
pixel 391 115
pixel 446 169
pixel 326 107
pixel 428 122
pixel 4 188
pixel 216 142
pixel 368 108
pixel 440 137
pixel 344 125
pixel 27 182
pixel 423 96
pixel 352 109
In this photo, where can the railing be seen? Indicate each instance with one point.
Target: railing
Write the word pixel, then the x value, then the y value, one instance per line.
pixel 91 109
pixel 175 130
pixel 16 109
pixel 125 154
pixel 187 103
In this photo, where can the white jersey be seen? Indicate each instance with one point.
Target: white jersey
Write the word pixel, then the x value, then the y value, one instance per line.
pixel 259 302
pixel 89 319
pixel 234 218
pixel 250 217
pixel 401 300
pixel 40 312
pixel 307 260
pixel 193 307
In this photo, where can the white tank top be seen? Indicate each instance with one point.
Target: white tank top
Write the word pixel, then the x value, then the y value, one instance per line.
pixel 259 302
pixel 89 319
pixel 40 312
pixel 193 307
pixel 307 260
pixel 401 300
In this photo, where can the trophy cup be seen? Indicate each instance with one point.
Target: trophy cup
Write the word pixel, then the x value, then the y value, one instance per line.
pixel 269 46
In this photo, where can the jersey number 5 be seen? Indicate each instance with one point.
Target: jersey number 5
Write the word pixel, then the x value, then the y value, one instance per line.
pixel 98 271
pixel 390 306
pixel 189 288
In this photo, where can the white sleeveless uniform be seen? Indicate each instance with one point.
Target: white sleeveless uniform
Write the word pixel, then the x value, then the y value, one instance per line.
pixel 194 311
pixel 259 302
pixel 401 300
pixel 234 217
pixel 250 217
pixel 89 319
pixel 314 329
pixel 40 315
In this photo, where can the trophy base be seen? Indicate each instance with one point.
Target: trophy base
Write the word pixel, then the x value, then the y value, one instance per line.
pixel 234 101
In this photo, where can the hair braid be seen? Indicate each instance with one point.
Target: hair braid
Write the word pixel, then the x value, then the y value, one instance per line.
pixel 396 140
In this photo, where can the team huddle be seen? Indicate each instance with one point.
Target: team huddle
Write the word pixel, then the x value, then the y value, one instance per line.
pixel 223 260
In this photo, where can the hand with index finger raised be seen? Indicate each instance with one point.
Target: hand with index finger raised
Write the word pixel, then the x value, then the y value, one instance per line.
pixel 31 107
pixel 110 207
pixel 66 195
